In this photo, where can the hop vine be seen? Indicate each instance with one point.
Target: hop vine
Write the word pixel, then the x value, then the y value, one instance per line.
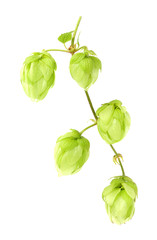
pixel 72 149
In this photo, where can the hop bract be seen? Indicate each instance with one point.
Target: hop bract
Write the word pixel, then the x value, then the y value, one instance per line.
pixel 120 198
pixel 84 69
pixel 113 121
pixel 38 75
pixel 71 152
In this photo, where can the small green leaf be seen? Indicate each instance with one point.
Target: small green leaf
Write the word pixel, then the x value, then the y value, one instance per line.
pixel 65 37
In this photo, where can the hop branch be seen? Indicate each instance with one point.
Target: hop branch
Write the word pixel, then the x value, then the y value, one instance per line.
pixel 112 120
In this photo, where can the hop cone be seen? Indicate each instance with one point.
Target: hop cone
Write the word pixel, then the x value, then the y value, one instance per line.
pixel 71 152
pixel 120 198
pixel 38 75
pixel 84 69
pixel 113 121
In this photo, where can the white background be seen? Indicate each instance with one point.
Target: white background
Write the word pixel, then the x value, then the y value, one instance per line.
pixel 34 202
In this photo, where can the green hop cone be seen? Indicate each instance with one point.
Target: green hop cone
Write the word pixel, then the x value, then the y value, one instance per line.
pixel 38 75
pixel 71 152
pixel 84 69
pixel 113 121
pixel 119 198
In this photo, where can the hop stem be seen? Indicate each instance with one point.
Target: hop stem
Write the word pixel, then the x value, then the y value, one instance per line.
pixel 57 50
pixel 91 105
pixel 74 34
pixel 88 128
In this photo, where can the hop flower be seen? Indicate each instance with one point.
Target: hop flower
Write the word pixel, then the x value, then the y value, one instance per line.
pixel 38 75
pixel 71 152
pixel 120 198
pixel 113 121
pixel 84 69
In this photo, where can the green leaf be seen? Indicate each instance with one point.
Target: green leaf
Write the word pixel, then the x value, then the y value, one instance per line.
pixel 65 37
